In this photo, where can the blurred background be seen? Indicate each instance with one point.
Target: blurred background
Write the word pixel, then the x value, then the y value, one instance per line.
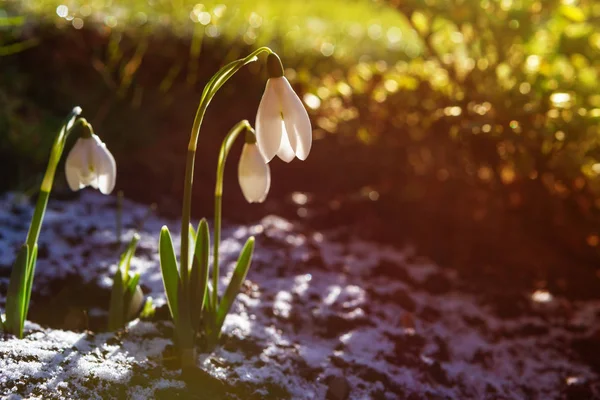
pixel 469 129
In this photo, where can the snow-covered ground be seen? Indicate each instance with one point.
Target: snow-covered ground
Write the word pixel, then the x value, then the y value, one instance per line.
pixel 322 315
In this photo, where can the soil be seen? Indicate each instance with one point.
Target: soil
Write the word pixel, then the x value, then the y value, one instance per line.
pixel 324 314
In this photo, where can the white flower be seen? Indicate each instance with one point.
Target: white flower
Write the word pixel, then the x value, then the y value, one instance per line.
pixel 282 124
pixel 91 164
pixel 254 174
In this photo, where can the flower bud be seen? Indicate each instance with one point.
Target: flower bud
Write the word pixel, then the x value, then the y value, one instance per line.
pixel 254 175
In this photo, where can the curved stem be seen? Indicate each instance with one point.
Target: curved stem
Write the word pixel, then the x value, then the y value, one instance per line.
pixel 46 187
pixel 210 90
pixel 225 148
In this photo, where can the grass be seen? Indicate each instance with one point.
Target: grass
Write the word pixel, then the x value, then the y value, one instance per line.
pixel 345 30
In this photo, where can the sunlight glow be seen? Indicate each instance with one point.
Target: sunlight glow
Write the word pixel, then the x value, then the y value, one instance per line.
pixel 541 296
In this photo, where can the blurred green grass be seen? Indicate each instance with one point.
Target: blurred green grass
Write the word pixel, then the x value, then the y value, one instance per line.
pixel 345 30
pixel 498 95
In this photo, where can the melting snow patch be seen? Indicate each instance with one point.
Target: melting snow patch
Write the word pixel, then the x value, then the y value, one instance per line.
pixel 314 308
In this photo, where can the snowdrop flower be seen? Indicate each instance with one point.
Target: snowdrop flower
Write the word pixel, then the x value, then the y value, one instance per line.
pixel 282 123
pixel 90 163
pixel 254 175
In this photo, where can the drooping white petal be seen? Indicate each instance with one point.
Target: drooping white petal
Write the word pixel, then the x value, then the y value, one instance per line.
pixel 72 175
pixel 90 164
pixel 297 123
pixel 105 167
pixel 285 152
pixel 254 174
pixel 279 87
pixel 77 161
pixel 268 122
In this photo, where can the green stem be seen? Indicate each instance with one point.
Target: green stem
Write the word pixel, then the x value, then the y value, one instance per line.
pixel 188 357
pixel 27 267
pixel 46 187
pixel 225 148
pixel 185 220
pixel 210 90
pixel 38 216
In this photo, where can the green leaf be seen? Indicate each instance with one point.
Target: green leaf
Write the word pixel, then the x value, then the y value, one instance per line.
pixel 12 21
pixel 130 291
pixel 17 293
pixel 191 239
pixel 148 309
pixel 192 233
pixel 208 305
pixel 115 314
pixel 573 13
pixel 239 275
pixel 125 261
pixel 168 266
pixel 199 274
pixel 30 274
pixel 132 284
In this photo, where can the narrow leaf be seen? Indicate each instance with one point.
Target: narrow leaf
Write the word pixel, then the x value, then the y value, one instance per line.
pixel 192 233
pixel 132 284
pixel 168 266
pixel 30 274
pixel 126 257
pixel 16 295
pixel 148 309
pixel 130 292
pixel 239 275
pixel 208 305
pixel 191 240
pixel 115 314
pixel 199 275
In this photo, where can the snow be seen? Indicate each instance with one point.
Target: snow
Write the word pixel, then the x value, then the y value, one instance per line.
pixel 315 306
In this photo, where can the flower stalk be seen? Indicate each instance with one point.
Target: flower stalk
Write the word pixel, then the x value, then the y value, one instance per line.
pixel 223 153
pixel 213 85
pixel 21 279
pixel 193 302
pixel 184 287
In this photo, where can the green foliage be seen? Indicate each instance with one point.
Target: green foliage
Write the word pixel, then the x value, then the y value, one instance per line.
pixel 12 26
pixel 170 275
pixel 335 28
pixel 191 308
pixel 235 284
pixel 148 310
pixel 17 293
pixel 199 273
pixel 505 95
pixel 126 295
pixel 21 280
pixel 30 275
pixel 115 314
